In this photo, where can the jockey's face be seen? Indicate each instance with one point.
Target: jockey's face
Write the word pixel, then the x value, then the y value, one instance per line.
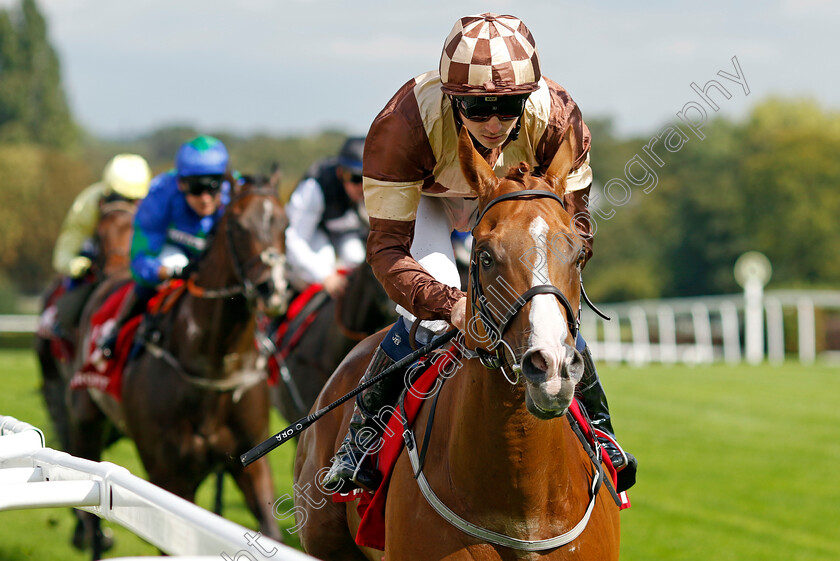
pixel 491 133
pixel 203 202
pixel 490 119
pixel 352 185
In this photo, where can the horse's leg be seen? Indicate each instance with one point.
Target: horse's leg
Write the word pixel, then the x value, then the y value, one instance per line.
pixel 220 485
pixel 258 488
pixel 87 426
pixel 53 390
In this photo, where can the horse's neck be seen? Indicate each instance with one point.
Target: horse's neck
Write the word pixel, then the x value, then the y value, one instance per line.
pixel 215 328
pixel 496 446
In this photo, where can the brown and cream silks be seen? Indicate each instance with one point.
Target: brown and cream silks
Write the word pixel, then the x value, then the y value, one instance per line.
pixel 489 54
pixel 411 151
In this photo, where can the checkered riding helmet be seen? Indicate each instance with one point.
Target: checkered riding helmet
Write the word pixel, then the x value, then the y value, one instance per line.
pixel 489 54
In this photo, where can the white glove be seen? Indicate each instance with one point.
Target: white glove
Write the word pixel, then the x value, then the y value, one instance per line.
pixel 79 266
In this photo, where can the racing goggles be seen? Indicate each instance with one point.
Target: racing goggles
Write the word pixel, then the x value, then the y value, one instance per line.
pixel 481 107
pixel 351 177
pixel 200 184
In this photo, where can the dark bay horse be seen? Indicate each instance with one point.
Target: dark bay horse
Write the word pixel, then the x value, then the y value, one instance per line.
pixel 337 327
pixel 501 455
pixel 112 242
pixel 193 399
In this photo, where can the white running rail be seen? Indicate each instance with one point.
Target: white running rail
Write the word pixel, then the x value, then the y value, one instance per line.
pixel 32 476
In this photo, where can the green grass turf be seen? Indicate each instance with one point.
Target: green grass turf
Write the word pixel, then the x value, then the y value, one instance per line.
pixel 736 463
pixel 45 533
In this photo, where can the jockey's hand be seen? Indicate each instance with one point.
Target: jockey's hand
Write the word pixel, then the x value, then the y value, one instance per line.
pixel 335 285
pixel 79 265
pixel 170 272
pixel 458 317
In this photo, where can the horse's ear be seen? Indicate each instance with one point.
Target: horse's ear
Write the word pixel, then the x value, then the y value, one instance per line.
pixel 235 185
pixel 477 172
pixel 561 165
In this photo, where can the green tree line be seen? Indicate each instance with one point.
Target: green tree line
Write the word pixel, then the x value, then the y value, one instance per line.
pixel 769 182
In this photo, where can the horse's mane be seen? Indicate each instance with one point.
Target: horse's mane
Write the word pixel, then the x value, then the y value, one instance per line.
pixel 519 173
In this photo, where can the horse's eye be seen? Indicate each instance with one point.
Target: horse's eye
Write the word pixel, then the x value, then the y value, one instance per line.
pixel 581 258
pixel 485 259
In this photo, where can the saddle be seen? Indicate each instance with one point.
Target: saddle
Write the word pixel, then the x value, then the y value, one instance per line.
pixel 371 506
pixel 106 374
pixel 294 324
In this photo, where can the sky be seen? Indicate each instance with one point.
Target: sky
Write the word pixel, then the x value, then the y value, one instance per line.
pixel 299 66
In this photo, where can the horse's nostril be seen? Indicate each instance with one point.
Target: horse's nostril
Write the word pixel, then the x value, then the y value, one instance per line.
pixel 539 361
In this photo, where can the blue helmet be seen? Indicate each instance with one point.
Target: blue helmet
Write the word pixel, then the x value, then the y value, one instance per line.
pixel 203 155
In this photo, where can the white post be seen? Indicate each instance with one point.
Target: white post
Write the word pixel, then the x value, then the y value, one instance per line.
pixel 731 335
pixel 702 333
pixel 641 336
pixel 667 334
pixel 754 321
pixel 807 330
pixel 775 331
pixel 752 271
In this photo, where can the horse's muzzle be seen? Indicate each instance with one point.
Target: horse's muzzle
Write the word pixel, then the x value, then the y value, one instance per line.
pixel 551 380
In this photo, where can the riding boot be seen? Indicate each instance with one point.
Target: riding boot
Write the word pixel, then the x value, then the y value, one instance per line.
pixel 350 470
pixel 595 402
pixel 132 305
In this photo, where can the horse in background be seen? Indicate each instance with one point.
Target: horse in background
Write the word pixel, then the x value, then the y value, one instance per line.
pixel 193 399
pixel 335 329
pixel 501 455
pixel 112 245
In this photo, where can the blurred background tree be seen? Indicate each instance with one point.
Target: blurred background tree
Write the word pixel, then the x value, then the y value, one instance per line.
pixel 769 182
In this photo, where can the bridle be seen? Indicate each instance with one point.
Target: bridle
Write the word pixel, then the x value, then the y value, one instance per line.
pixel 245 286
pixel 496 359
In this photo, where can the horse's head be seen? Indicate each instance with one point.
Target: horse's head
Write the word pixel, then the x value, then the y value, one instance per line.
pixel 113 235
pixel 254 226
pixel 525 276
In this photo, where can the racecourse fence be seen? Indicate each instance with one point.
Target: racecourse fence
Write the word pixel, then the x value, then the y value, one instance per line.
pixel 794 323
pixel 800 324
pixel 32 476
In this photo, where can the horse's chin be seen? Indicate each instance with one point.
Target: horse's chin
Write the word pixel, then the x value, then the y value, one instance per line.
pixel 543 406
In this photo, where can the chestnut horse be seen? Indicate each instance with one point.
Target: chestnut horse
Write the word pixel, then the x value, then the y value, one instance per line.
pixel 112 242
pixel 193 399
pixel 337 327
pixel 501 458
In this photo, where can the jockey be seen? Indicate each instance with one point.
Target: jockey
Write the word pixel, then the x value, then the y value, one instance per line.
pixel 173 223
pixel 488 82
pixel 126 177
pixel 327 221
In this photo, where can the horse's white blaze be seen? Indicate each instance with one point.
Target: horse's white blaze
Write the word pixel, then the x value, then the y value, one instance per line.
pixel 268 211
pixel 548 326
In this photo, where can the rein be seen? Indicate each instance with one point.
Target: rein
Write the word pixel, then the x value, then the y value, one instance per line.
pixel 237 384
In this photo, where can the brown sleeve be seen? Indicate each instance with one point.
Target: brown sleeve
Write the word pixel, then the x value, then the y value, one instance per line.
pixel 396 147
pixel 397 160
pixel 404 279
pixel 566 113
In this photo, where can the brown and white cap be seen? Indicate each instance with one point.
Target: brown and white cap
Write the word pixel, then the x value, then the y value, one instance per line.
pixel 489 54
